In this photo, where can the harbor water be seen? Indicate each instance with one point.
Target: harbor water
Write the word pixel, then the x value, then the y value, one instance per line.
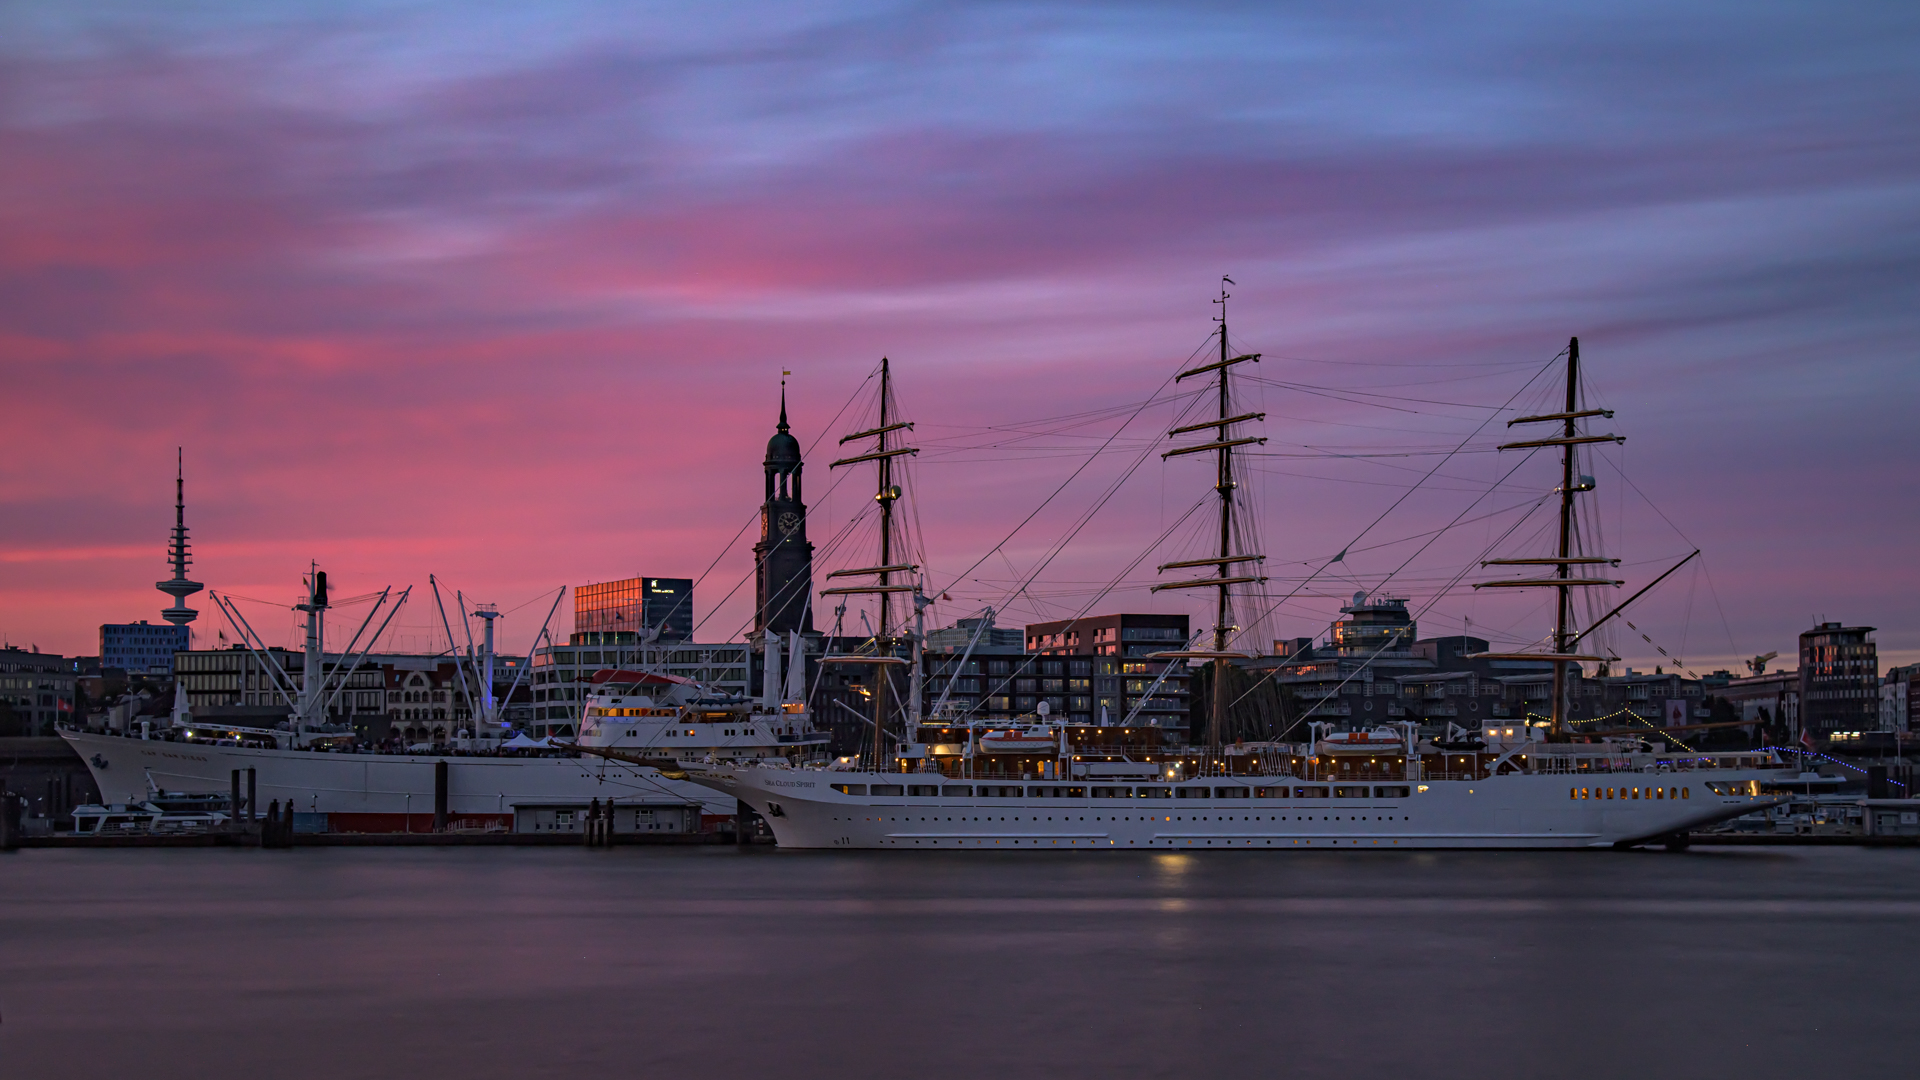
pixel 688 963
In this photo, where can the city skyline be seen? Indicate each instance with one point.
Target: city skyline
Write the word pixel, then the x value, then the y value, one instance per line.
pixel 508 299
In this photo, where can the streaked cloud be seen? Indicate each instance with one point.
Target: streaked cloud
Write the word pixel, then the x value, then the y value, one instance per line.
pixel 503 293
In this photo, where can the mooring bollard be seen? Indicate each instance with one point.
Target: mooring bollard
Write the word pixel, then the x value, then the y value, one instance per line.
pixel 440 796
pixel 9 821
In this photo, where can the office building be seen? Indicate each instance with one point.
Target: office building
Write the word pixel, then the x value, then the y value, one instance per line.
pixel 1839 680
pixel 1095 670
pixel 403 696
pixel 637 605
pixel 980 633
pixel 1899 704
pixel 36 691
pixel 141 648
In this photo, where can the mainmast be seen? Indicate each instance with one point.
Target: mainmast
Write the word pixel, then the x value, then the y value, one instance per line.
pixel 1563 581
pixel 1224 577
pixel 312 674
pixel 1564 590
pixel 319 688
pixel 887 494
pixel 489 709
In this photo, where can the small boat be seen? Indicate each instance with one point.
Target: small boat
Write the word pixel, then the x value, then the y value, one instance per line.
pixel 1038 738
pixel 1380 738
pixel 143 818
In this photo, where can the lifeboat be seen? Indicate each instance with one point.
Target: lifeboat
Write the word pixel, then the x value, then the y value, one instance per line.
pixel 1028 740
pixel 1380 738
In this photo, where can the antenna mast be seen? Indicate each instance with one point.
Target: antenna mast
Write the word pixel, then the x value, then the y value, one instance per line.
pixel 178 586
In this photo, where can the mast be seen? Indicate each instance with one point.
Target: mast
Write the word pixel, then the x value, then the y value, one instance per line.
pixel 887 494
pixel 1563 581
pixel 1217 712
pixel 883 678
pixel 312 675
pixel 489 708
pixel 1224 576
pixel 1557 715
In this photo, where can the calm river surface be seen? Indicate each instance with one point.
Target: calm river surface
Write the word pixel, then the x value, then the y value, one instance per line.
pixel 531 962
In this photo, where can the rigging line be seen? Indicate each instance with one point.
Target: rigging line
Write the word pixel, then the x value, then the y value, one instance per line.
pixel 1274 672
pixel 1487 364
pixel 1324 453
pixel 1456 520
pixel 1622 473
pixel 1061 424
pixel 1025 665
pixel 1686 622
pixel 827 548
pixel 1151 398
pixel 251 600
pixel 352 600
pixel 1336 397
pixel 511 610
pixel 1087 517
pixel 1715 593
pixel 1544 368
pixel 1364 393
pixel 1489 515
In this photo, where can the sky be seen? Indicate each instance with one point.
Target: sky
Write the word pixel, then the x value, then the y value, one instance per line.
pixel 503 293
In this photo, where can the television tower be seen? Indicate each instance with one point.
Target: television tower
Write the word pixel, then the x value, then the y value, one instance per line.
pixel 178 586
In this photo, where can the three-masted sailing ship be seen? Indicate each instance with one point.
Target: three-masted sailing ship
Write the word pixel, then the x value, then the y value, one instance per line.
pixel 1044 784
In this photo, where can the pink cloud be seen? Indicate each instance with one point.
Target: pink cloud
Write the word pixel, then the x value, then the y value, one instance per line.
pixel 525 329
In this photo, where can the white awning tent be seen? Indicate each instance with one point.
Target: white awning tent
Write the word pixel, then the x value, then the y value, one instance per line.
pixel 520 741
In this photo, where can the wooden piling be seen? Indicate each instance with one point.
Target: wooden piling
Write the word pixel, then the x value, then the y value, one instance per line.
pixel 9 820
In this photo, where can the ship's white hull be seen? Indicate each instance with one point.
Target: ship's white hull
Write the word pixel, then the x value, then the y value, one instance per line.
pixel 380 792
pixel 1510 811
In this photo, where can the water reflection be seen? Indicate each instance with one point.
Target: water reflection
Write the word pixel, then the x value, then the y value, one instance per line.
pixel 529 962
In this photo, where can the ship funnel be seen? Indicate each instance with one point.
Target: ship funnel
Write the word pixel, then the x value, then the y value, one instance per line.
pixel 319 588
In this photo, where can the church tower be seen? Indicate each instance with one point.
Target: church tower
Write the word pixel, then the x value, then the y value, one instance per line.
pixel 783 559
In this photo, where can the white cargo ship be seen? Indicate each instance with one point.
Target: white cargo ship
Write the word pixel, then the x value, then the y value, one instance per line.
pixel 658 720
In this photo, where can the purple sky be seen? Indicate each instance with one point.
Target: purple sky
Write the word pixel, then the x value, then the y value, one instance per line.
pixel 503 293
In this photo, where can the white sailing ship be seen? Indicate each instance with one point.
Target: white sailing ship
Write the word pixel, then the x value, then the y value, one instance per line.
pixel 1046 786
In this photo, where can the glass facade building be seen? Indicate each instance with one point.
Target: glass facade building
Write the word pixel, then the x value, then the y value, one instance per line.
pixel 140 647
pixel 635 605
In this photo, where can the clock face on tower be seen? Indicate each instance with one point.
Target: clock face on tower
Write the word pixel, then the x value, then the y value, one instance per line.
pixel 789 521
